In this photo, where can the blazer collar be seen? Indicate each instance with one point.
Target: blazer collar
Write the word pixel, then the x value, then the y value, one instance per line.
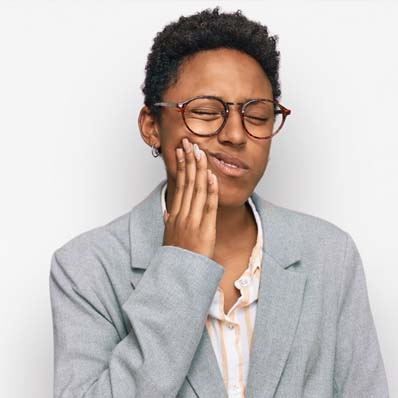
pixel 281 240
pixel 279 303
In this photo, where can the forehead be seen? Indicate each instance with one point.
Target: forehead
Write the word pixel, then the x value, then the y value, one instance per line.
pixel 227 73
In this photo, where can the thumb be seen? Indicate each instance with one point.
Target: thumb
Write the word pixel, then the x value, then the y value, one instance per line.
pixel 165 215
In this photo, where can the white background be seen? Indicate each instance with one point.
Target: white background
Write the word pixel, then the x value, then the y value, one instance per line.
pixel 72 158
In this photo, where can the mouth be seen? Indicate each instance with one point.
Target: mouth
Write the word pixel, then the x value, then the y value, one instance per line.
pixel 236 168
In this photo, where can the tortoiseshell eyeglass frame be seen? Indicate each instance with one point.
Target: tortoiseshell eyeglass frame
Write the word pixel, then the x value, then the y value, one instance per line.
pixel 181 106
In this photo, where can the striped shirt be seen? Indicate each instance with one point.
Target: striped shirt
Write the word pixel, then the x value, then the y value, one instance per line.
pixel 231 333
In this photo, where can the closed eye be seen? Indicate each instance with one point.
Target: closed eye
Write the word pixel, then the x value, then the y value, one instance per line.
pixel 257 118
pixel 204 113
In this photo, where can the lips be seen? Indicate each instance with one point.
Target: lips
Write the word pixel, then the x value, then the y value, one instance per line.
pixel 230 159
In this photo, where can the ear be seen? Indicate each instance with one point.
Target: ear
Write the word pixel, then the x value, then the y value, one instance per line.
pixel 148 127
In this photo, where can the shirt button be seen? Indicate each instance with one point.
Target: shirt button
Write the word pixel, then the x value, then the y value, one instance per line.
pixel 230 325
pixel 244 281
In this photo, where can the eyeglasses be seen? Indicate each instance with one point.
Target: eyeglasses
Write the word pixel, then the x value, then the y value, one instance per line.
pixel 206 115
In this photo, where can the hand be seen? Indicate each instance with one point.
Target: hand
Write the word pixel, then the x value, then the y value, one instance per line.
pixel 191 223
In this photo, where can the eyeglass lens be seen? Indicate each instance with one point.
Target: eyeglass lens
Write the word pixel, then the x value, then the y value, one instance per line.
pixel 206 115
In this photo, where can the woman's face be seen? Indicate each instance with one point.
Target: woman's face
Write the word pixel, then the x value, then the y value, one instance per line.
pixel 234 76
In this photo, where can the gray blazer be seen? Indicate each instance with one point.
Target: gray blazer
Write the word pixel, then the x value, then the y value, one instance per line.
pixel 129 314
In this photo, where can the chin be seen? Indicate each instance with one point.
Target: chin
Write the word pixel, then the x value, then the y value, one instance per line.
pixel 232 198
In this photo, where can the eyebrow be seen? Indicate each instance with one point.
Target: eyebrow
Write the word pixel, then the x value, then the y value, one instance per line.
pixel 242 100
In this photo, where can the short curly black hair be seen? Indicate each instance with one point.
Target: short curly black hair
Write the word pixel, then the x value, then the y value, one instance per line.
pixel 206 30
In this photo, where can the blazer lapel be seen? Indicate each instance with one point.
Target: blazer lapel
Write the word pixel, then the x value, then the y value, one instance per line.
pixel 279 303
pixel 204 374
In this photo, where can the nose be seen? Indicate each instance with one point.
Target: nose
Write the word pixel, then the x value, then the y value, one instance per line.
pixel 233 129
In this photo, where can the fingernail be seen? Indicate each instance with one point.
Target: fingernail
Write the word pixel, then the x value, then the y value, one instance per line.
pixel 180 155
pixel 185 144
pixel 196 151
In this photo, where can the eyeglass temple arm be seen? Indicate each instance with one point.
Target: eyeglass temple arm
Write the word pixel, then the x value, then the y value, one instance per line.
pixel 173 104
pixel 284 111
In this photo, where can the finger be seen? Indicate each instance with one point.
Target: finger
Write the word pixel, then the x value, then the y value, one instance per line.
pixel 200 191
pixel 165 215
pixel 190 175
pixel 209 217
pixel 180 181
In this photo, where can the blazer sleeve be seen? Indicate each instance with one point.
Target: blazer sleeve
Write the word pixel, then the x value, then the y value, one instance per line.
pixel 359 369
pixel 167 311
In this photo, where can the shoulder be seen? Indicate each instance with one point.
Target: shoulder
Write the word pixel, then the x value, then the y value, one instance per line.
pixel 98 252
pixel 329 254
pixel 322 241
pixel 311 228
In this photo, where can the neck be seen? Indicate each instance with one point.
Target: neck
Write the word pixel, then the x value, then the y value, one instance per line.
pixel 232 225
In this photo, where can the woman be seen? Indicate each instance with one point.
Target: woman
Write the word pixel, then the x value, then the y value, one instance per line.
pixel 205 289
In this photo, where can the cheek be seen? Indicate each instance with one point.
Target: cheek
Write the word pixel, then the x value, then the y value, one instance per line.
pixel 261 158
pixel 170 157
pixel 170 160
pixel 171 138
